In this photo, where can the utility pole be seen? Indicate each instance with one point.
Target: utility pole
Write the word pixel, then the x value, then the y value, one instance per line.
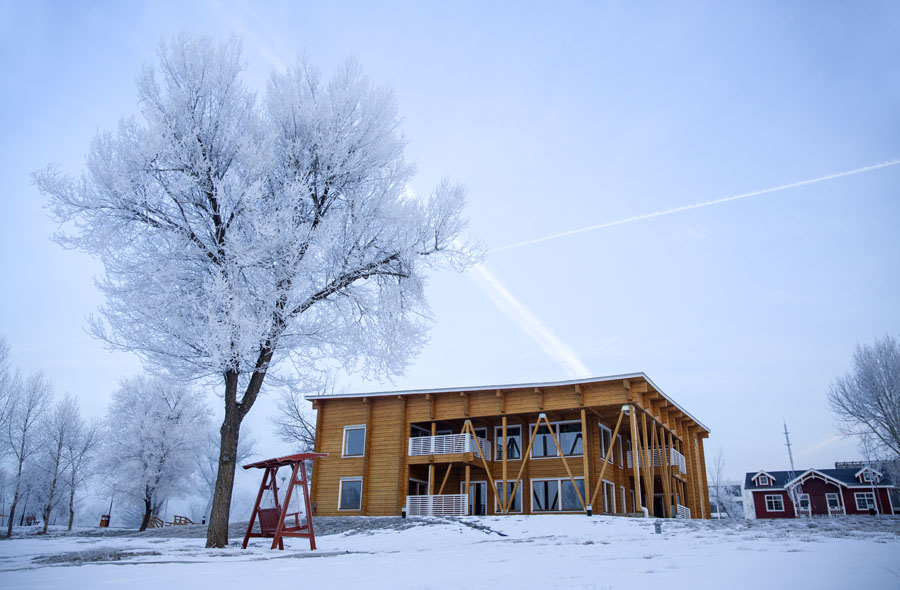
pixel 787 438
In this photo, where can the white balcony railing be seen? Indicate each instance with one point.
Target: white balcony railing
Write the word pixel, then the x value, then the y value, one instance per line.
pixel 448 444
pixel 443 505
pixel 681 511
pixel 835 511
pixel 675 458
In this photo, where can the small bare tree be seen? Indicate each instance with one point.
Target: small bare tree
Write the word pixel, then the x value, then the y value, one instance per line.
pixel 716 476
pixel 866 400
pixel 294 423
pixel 30 399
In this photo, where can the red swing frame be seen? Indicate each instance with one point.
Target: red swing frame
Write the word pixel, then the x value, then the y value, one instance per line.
pixel 272 520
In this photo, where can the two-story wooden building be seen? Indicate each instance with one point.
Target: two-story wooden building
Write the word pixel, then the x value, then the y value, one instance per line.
pixel 612 445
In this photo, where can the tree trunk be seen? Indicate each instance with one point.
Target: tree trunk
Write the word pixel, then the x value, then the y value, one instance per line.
pixel 49 507
pixel 12 508
pixel 71 503
pixel 146 520
pixel 217 533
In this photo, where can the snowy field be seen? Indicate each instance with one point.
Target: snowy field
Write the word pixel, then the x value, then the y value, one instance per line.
pixel 488 552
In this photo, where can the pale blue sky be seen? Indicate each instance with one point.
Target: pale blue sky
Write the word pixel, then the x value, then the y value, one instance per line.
pixel 555 116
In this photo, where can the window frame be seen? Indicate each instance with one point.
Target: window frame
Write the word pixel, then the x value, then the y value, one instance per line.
pixel 603 447
pixel 804 498
pixel 620 442
pixel 341 483
pixel 498 438
pixel 556 432
pixel 347 429
pixel 867 496
pixel 519 494
pixel 837 501
pixel 762 480
pixel 559 493
pixel 774 497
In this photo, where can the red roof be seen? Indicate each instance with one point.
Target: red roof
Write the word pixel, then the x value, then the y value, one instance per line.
pixel 286 460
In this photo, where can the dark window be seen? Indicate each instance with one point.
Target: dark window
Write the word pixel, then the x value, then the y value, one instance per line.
pixel 351 494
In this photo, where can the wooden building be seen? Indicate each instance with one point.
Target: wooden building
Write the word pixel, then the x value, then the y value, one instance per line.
pixel 612 445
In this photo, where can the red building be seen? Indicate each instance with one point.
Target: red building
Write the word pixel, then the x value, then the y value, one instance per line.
pixel 818 492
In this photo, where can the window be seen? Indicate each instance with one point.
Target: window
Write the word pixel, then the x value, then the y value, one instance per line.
pixel 763 480
pixel 354 441
pixel 516 505
pixel 804 501
pixel 774 503
pixel 864 500
pixel 555 495
pixel 513 442
pixel 417 487
pixel 567 433
pixel 621 458
pixel 609 497
pixel 832 500
pixel 417 431
pixel 350 493
pixel 622 494
pixel 605 441
pixel 868 477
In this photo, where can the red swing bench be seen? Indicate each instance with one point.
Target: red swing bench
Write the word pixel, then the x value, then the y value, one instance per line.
pixel 274 522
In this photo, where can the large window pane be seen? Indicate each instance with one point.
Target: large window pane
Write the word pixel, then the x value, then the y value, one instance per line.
pixel 516 505
pixel 570 438
pixel 569 497
pixel 513 441
pixel 354 441
pixel 543 443
pixel 351 494
pixel 545 495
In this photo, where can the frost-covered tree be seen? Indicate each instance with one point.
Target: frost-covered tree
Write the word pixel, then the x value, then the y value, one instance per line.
pixel 9 381
pixel 236 233
pixel 78 453
pixel 153 435
pixel 866 400
pixel 30 398
pixel 57 428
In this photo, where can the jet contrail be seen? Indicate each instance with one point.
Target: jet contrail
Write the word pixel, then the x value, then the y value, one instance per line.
pixel 529 323
pixel 662 212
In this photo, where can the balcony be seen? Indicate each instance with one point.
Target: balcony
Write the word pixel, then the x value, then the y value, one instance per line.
pixel 675 459
pixel 448 444
pixel 442 505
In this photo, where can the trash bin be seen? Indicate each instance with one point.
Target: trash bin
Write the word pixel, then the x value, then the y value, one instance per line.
pixel 104 521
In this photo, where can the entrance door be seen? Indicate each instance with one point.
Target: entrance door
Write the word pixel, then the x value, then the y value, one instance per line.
pixel 477 497
pixel 817 504
pixel 658 509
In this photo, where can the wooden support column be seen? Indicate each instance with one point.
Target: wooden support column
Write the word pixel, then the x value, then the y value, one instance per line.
pixel 403 485
pixel 446 476
pixel 317 447
pixel 367 456
pixel 431 465
pixel 635 459
pixel 503 449
pixel 585 451
pixel 468 495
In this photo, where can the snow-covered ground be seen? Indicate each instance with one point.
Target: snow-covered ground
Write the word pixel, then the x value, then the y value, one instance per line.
pixel 489 552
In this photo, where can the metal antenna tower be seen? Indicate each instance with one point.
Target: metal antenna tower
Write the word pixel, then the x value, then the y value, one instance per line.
pixel 787 438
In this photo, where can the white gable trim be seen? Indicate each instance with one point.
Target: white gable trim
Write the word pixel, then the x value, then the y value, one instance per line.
pixel 878 475
pixel 772 480
pixel 813 473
